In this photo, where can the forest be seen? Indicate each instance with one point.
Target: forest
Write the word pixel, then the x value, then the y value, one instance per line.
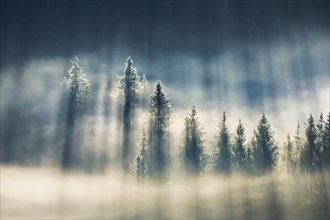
pixel 164 109
pixel 147 148
pixel 120 128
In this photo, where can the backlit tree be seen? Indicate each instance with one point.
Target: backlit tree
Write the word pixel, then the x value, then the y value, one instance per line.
pixel 160 110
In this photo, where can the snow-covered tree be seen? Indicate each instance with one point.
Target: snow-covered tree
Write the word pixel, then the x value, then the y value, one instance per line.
pixel 129 85
pixel 76 82
pixel 78 86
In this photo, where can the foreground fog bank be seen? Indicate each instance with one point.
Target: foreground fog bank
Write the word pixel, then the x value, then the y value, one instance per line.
pixel 35 193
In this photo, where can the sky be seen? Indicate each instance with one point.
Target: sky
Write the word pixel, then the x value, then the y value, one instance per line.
pixel 163 35
pixel 154 30
pixel 243 57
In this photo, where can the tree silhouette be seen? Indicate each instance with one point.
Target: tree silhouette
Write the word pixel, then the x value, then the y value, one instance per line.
pixel 298 147
pixel 311 151
pixel 193 144
pixel 240 154
pixel 322 141
pixel 223 156
pixel 160 111
pixel 265 150
pixel 287 155
pixel 141 160
pixel 78 87
pixel 128 85
pixel 326 143
pixel 144 91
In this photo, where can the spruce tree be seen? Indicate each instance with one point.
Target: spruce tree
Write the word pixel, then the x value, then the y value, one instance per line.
pixel 240 155
pixel 249 158
pixel 223 156
pixel 287 157
pixel 78 87
pixel 298 147
pixel 140 163
pixel 160 111
pixel 265 151
pixel 193 144
pixel 144 91
pixel 311 152
pixel 322 141
pixel 326 143
pixel 320 129
pixel 128 85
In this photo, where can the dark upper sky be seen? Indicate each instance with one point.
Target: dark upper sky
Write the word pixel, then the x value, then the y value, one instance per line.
pixel 270 56
pixel 38 29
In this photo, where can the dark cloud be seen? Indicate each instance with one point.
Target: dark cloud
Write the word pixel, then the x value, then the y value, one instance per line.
pixel 150 29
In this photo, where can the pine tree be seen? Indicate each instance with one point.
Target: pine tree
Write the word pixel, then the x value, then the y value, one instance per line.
pixel 144 91
pixel 320 128
pixel 141 160
pixel 326 143
pixel 78 87
pixel 265 151
pixel 240 154
pixel 249 158
pixel 298 147
pixel 287 157
pixel 128 85
pixel 193 144
pixel 250 151
pixel 311 152
pixel 321 141
pixel 223 160
pixel 160 111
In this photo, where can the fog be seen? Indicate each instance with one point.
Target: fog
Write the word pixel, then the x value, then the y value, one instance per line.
pixel 31 100
pixel 47 194
pixel 276 82
pixel 244 58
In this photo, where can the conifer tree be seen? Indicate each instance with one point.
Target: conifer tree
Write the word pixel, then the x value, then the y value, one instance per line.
pixel 249 159
pixel 78 87
pixel 322 141
pixel 298 147
pixel 320 129
pixel 193 143
pixel 144 90
pixel 311 151
pixel 265 151
pixel 287 157
pixel 326 143
pixel 223 157
pixel 128 85
pixel 141 160
pixel 160 111
pixel 250 151
pixel 240 154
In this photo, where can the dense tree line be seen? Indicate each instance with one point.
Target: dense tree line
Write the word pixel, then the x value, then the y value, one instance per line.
pixel 232 152
pixel 307 150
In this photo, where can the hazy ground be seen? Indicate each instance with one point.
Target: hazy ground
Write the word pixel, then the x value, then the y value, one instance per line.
pixel 34 193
